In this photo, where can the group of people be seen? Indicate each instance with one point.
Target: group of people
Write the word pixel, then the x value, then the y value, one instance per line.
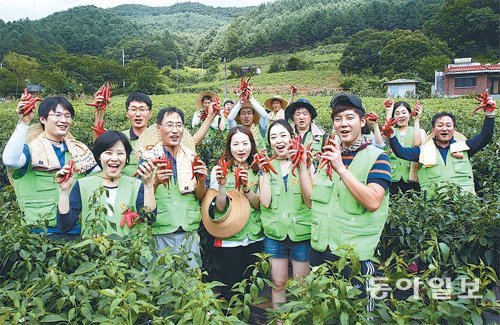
pixel 291 207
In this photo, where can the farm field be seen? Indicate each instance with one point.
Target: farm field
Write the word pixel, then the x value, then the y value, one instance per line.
pixel 103 280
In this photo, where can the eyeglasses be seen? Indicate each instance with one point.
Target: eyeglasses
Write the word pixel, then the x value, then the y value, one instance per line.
pixel 140 109
pixel 59 116
pixel 170 126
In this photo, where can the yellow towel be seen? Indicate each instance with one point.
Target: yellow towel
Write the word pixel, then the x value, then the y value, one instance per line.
pixel 44 158
pixel 184 161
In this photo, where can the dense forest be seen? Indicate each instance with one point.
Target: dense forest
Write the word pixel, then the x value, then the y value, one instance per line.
pixel 383 38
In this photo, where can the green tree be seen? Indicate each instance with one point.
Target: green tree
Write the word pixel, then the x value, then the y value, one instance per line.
pixel 24 67
pixel 469 26
pixel 362 53
pixel 403 52
pixel 144 76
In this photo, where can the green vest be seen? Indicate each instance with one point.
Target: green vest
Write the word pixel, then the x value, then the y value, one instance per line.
pixel 316 145
pixel 287 215
pixel 338 219
pixel 131 167
pixel 38 194
pixel 126 197
pixel 175 210
pixel 253 228
pixel 456 171
pixel 400 168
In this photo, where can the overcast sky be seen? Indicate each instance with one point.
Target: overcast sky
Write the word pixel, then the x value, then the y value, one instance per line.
pixel 36 9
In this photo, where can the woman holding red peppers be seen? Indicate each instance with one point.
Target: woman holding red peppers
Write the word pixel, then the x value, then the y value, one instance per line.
pixel 285 217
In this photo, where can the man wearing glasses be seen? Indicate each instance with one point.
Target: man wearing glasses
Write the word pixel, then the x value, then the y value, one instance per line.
pixel 138 107
pixel 34 154
pixel 179 187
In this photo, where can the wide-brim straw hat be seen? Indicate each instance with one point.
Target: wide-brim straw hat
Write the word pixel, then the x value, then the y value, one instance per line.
pixel 269 102
pixel 198 101
pixel 34 131
pixel 150 137
pixel 246 104
pixel 233 221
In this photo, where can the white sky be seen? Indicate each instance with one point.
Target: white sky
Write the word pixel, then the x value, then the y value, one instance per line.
pixel 36 9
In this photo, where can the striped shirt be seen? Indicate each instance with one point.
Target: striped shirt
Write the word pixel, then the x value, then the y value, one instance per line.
pixel 380 173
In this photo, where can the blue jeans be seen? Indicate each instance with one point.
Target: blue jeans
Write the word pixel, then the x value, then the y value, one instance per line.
pixel 297 251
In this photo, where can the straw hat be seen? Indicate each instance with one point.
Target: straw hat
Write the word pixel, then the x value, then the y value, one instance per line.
pixel 233 221
pixel 150 137
pixel 198 101
pixel 269 102
pixel 246 104
pixel 34 131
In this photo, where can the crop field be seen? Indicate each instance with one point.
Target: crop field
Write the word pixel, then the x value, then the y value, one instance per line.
pixel 100 280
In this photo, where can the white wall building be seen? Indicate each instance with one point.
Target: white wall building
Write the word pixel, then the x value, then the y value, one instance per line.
pixel 401 87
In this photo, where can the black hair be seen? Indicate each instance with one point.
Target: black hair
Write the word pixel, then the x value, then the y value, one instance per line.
pixel 281 122
pixel 346 105
pixel 206 96
pixel 442 114
pixel 106 141
pixel 168 111
pixel 138 97
pixel 401 103
pixel 50 104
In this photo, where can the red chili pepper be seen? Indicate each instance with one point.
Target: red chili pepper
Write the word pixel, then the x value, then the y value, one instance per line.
pixel 388 102
pixel 64 178
pixel 293 88
pixel 237 176
pixel 197 162
pixel 162 160
pixel 102 97
pixel 224 165
pixel 388 129
pixel 98 128
pixel 417 107
pixel 372 116
pixel 329 171
pixel 130 218
pixel 244 89
pixel 262 155
pixel 486 103
pixel 30 104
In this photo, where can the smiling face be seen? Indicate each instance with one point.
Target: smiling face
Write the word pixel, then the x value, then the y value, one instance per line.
pixel 171 130
pixel 57 123
pixel 246 116
pixel 138 114
pixel 276 104
pixel 443 130
pixel 241 147
pixel 279 139
pixel 302 119
pixel 348 126
pixel 206 102
pixel 403 113
pixel 113 160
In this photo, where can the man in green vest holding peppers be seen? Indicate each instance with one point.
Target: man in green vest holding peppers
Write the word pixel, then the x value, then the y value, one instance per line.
pixel 303 113
pixel 350 208
pixel 35 157
pixel 445 158
pixel 138 107
pixel 178 190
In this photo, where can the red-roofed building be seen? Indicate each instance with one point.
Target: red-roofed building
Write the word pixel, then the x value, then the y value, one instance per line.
pixel 464 77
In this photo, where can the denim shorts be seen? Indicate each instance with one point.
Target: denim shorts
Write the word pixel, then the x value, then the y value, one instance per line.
pixel 297 251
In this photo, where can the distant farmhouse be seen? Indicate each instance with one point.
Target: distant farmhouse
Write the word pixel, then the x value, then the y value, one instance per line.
pixel 401 88
pixel 465 77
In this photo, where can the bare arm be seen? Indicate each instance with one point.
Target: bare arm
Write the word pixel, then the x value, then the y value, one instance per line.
pixel 370 196
pixel 417 137
pixel 202 131
pixel 265 190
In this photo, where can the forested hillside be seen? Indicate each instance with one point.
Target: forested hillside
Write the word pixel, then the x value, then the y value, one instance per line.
pixel 72 51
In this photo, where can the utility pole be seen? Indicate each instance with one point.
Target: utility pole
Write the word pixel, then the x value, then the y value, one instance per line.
pixel 225 79
pixel 177 70
pixel 123 65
